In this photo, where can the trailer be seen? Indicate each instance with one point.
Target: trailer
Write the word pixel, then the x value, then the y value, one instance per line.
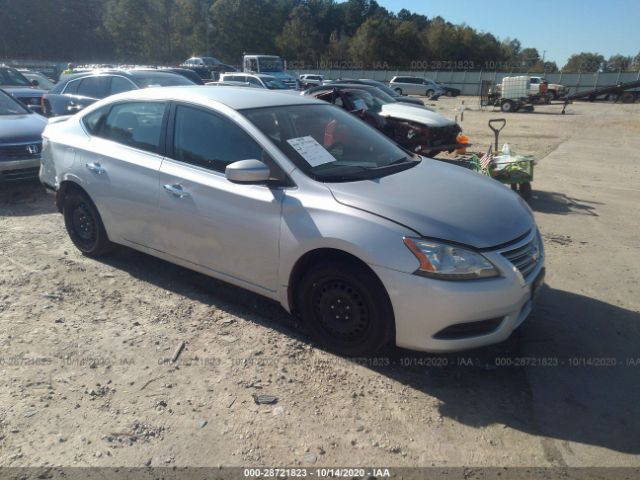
pixel 621 92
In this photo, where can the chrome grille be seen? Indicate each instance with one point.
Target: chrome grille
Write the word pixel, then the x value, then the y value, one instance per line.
pixel 525 257
pixel 20 151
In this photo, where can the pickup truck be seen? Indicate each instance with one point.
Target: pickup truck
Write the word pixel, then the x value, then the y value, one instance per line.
pixel 554 89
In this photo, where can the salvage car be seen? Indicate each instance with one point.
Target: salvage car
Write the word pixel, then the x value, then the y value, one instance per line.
pixel 20 139
pixel 366 242
pixel 77 91
pixel 418 129
pixel 18 86
pixel 381 86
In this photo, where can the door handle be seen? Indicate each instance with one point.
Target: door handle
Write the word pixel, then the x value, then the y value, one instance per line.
pixel 96 168
pixel 176 190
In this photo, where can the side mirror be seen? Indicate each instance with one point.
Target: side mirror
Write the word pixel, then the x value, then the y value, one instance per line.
pixel 248 172
pixel 35 82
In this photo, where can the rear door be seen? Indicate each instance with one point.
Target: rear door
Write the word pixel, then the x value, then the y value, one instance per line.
pixel 231 229
pixel 122 168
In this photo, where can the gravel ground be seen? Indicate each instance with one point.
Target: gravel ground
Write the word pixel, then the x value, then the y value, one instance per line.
pixel 86 346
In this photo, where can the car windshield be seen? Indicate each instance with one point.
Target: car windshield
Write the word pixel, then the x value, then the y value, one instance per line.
pixel 381 86
pixel 362 100
pixel 329 144
pixel 271 65
pixel 9 106
pixel 167 80
pixel 210 61
pixel 43 82
pixel 9 76
pixel 273 83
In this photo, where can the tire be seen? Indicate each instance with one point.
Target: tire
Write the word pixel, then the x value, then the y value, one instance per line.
pixel 508 106
pixel 350 291
pixel 429 93
pixel 628 97
pixel 398 91
pixel 84 225
pixel 449 93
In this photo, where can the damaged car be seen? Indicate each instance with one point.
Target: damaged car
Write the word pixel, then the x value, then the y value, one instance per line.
pixel 418 129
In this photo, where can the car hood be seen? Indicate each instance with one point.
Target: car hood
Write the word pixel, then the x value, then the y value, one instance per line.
pixel 415 113
pixel 409 100
pixel 442 201
pixel 21 128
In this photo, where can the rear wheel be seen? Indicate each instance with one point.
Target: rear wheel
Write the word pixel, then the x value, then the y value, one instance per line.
pixel 346 308
pixel 84 225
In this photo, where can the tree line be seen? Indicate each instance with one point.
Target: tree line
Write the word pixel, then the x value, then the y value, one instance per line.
pixel 308 33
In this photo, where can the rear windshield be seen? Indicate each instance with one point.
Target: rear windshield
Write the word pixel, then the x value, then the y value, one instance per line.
pixel 9 106
pixel 9 76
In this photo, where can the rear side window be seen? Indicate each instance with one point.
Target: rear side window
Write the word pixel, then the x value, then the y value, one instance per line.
pixel 207 140
pixel 135 124
pixel 72 87
pixel 93 87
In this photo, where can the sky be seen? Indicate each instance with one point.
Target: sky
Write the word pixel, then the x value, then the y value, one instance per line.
pixel 559 27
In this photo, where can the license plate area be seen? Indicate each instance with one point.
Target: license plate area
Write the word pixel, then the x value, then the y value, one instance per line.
pixel 537 283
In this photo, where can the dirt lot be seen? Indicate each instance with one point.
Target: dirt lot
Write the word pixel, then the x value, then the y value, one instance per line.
pixel 86 346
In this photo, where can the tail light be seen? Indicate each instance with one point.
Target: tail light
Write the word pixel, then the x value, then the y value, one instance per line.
pixel 43 105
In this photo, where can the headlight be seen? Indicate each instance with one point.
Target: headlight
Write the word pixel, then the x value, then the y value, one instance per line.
pixel 449 262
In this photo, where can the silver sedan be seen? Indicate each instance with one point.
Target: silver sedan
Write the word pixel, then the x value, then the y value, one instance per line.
pixel 301 202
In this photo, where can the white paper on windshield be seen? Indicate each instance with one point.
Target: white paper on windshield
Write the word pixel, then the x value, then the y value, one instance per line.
pixel 314 153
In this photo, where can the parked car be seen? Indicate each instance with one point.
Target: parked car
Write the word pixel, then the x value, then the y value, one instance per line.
pixel 416 86
pixel 37 79
pixel 258 80
pixel 381 86
pixel 310 80
pixel 185 72
pixel 82 89
pixel 368 243
pixel 17 85
pixel 418 129
pixel 449 91
pixel 207 67
pixel 20 139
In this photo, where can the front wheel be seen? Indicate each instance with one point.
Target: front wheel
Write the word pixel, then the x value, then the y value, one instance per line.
pixel 428 93
pixel 398 91
pixel 84 225
pixel 346 308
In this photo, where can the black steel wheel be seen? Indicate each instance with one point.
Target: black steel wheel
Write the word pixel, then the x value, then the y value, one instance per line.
pixel 84 225
pixel 346 308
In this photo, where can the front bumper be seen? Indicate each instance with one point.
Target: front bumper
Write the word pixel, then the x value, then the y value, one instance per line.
pixel 19 169
pixel 426 307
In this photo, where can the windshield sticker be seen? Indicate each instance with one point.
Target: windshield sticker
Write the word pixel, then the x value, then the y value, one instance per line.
pixel 360 104
pixel 314 153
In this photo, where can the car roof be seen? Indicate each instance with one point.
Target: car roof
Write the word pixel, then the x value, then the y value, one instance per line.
pixel 238 98
pixel 342 86
pixel 133 73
